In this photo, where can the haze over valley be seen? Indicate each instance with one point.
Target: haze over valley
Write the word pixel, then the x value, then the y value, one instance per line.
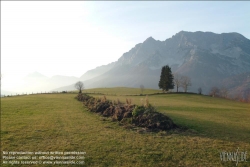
pixel 125 83
pixel 209 59
pixel 102 47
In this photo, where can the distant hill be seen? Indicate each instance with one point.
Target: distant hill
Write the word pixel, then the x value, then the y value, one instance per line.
pixel 5 93
pixel 207 58
pixel 35 75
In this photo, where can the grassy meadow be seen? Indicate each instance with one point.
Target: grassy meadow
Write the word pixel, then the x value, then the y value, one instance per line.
pixel 121 91
pixel 58 122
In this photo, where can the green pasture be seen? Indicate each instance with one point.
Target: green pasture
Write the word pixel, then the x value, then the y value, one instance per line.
pixel 58 122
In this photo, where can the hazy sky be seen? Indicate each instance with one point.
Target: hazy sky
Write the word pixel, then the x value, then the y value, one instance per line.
pixel 69 38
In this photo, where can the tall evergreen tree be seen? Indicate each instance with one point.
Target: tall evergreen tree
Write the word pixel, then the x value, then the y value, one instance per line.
pixel 166 79
pixel 161 82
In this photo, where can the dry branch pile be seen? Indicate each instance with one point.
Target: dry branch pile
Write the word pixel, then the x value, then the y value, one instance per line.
pixel 143 116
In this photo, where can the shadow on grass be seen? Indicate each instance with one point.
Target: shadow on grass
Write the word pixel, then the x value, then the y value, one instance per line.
pixel 211 129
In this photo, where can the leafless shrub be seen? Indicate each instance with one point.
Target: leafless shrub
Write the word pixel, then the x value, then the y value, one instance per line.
pixel 79 86
pixel 177 81
pixel 185 83
pixel 248 98
pixel 142 88
pixel 214 91
pixel 199 91
pixel 223 92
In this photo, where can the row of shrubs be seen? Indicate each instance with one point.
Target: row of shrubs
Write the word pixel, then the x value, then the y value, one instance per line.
pixel 142 116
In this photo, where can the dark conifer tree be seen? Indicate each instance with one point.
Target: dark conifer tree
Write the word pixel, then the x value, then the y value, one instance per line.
pixel 161 82
pixel 166 79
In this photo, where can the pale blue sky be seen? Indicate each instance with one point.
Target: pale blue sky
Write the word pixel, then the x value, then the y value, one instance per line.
pixel 69 38
pixel 162 19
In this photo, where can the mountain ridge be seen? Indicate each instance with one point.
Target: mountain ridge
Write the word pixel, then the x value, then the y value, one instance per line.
pixel 205 57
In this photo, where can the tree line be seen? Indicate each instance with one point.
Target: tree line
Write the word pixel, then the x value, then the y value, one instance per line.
pixel 168 80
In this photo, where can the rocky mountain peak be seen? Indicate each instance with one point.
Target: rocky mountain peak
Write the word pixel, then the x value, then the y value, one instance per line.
pixel 150 39
pixel 206 57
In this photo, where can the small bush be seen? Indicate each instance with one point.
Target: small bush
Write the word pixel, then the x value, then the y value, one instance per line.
pixel 138 110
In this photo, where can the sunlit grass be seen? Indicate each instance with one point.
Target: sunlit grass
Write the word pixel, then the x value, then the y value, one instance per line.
pixel 58 122
pixel 202 113
pixel 121 91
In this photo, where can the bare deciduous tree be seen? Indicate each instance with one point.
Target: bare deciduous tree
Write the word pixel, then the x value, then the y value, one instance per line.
pixel 185 83
pixel 224 92
pixel 199 91
pixel 239 97
pixel 79 86
pixel 248 97
pixel 142 88
pixel 177 81
pixel 214 91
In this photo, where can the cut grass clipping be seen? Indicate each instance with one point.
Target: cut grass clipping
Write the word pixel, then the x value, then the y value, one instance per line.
pixel 143 116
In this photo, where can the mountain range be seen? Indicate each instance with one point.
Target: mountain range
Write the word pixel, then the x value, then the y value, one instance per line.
pixel 209 59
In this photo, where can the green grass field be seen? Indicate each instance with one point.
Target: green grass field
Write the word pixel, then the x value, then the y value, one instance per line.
pixel 58 122
pixel 121 91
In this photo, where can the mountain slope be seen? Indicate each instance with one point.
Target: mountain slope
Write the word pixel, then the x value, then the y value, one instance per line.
pixel 96 72
pixel 207 58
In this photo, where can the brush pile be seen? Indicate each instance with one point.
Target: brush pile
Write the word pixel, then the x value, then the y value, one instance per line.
pixel 144 116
